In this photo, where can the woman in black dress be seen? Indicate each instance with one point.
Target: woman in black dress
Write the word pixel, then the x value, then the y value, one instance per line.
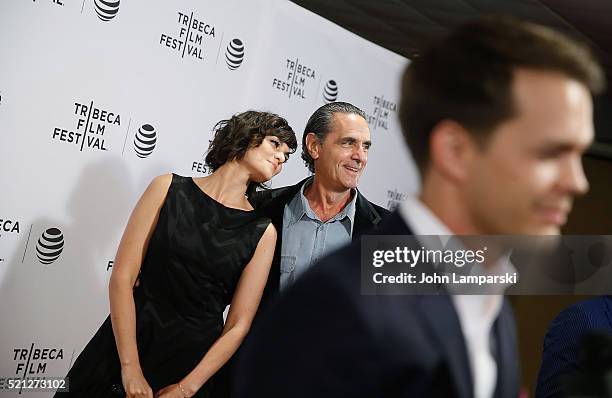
pixel 195 246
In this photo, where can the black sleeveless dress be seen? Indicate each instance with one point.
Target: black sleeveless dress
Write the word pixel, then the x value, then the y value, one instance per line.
pixel 194 260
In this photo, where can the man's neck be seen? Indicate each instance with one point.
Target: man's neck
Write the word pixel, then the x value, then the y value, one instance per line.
pixel 325 202
pixel 446 203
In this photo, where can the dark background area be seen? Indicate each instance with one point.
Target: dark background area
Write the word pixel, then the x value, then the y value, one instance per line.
pixel 407 26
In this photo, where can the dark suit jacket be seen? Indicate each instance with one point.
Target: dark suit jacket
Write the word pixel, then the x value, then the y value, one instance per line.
pixel 323 338
pixel 562 342
pixel 272 203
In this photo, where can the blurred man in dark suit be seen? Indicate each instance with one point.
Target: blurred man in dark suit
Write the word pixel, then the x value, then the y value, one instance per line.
pixel 497 116
pixel 561 354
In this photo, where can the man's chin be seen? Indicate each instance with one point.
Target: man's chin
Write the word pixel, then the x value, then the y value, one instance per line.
pixel 531 229
pixel 349 186
pixel 350 183
pixel 549 229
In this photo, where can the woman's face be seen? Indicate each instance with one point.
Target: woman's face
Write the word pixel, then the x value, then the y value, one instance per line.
pixel 265 161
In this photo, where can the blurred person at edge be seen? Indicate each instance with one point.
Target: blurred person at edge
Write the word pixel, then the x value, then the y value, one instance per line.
pixel 563 354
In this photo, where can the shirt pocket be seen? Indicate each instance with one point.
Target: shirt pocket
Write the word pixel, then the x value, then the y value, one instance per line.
pixel 287 264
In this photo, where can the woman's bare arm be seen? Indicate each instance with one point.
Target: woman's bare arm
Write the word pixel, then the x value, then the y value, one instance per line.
pixel 128 261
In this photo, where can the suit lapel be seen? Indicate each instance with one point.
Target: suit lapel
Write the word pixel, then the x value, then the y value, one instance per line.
pixel 608 304
pixel 365 217
pixel 507 361
pixel 441 316
pixel 443 321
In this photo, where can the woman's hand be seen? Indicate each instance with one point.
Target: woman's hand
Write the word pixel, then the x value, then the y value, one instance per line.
pixel 171 391
pixel 134 383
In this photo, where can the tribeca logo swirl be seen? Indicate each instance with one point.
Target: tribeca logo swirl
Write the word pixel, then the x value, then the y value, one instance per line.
pixel 144 140
pixel 50 246
pixel 234 54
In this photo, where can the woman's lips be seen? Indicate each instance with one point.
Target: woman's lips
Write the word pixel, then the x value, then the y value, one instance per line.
pixel 275 165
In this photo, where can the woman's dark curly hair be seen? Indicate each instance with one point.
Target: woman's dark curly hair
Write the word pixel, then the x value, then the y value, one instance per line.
pixel 235 136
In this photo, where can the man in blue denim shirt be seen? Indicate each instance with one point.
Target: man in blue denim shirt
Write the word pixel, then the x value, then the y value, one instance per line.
pixel 325 211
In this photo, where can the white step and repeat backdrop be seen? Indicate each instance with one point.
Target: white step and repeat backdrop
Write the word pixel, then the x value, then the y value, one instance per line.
pixel 99 96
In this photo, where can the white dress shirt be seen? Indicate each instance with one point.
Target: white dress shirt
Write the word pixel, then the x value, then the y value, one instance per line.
pixel 476 313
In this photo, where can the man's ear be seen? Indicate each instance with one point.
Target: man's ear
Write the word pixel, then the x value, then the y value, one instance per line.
pixel 452 150
pixel 312 145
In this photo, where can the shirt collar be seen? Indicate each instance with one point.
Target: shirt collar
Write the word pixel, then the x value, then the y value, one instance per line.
pixel 423 222
pixel 300 207
pixel 421 219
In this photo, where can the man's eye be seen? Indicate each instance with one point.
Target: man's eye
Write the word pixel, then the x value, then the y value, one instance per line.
pixel 550 153
pixel 276 143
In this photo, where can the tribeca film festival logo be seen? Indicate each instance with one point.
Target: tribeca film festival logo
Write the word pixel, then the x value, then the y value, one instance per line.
pixel 394 198
pixel 298 76
pixel 380 115
pixel 8 227
pixel 49 246
pixel 31 362
pixel 191 36
pixel 234 54
pixel 91 124
pixel 106 9
pixel 56 2
pixel 144 141
pixel 199 167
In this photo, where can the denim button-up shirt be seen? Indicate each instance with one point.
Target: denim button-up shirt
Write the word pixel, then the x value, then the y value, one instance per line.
pixel 306 238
